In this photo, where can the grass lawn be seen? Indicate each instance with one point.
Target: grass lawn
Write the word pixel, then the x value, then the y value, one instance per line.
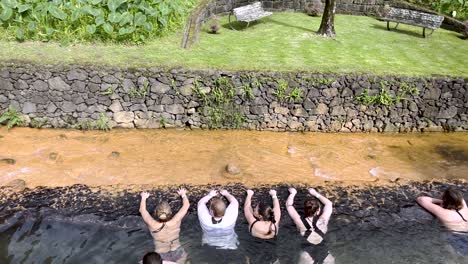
pixel 282 42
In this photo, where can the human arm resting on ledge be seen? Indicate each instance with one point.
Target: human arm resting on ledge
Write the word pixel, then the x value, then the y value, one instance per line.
pixel 293 212
pixel 276 206
pixel 432 205
pixel 144 213
pixel 327 206
pixel 248 211
pixel 185 205
pixel 232 200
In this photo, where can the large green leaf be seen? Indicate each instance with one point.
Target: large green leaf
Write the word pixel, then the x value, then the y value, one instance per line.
pixel 114 17
pixel 49 31
pixel 108 28
pixel 57 12
pixel 126 18
pixel 20 34
pixel 92 11
pixel 76 14
pixel 149 27
pixel 9 3
pixel 99 21
pixel 6 14
pixel 126 30
pixel 24 8
pixel 32 26
pixel 91 29
pixel 140 19
pixel 113 4
pixel 94 2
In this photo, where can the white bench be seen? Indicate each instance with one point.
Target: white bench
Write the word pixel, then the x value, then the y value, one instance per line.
pixel 248 13
pixel 414 18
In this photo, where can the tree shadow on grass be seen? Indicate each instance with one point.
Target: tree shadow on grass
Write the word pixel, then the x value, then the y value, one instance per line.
pixel 240 26
pixel 402 31
pixel 289 25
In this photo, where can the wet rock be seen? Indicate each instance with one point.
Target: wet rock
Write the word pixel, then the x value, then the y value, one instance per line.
pixel 8 161
pixel 53 156
pixel 233 169
pixel 114 154
pixel 17 185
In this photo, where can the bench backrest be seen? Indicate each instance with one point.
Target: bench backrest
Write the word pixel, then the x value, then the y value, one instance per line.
pixel 246 12
pixel 413 17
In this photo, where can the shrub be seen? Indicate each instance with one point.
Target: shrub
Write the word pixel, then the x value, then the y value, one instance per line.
pixel 314 8
pixel 454 8
pixel 12 118
pixel 88 20
pixel 214 25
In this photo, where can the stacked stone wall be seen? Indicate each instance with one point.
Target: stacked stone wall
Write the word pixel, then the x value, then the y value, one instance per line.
pixel 64 97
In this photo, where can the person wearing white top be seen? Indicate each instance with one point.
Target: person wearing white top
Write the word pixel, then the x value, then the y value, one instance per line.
pixel 218 221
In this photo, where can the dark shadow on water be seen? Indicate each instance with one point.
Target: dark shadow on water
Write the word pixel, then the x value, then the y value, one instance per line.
pixel 452 154
pixel 402 31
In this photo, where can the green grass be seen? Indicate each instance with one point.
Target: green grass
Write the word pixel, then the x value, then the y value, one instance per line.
pixel 282 42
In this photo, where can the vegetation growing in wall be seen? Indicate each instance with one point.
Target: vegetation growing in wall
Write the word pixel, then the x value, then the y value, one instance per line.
pixel 384 97
pixel 39 122
pixel 89 20
pixel 101 124
pixel 11 117
pixel 284 93
pixel 219 104
pixel 141 91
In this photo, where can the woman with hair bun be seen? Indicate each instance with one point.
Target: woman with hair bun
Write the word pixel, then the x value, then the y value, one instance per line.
pixel 312 226
pixel 166 229
pixel 263 226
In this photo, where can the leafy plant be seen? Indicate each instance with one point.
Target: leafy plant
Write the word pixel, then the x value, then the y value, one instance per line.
pixel 247 92
pixel 280 92
pixel 110 90
pixel 38 122
pixel 294 95
pixel 88 20
pixel 454 8
pixel 101 124
pixel 141 91
pixel 12 118
pixel 384 97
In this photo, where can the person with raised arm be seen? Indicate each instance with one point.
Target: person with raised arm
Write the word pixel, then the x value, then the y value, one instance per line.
pixel 165 228
pixel 263 222
pixel 218 221
pixel 452 212
pixel 312 226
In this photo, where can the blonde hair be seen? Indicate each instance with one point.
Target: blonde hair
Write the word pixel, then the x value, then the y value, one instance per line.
pixel 218 207
pixel 163 211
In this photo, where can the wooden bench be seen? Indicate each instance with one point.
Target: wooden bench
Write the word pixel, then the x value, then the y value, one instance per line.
pixel 248 13
pixel 412 17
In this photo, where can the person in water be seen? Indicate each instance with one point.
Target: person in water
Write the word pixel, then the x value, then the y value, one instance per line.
pixel 312 226
pixel 218 221
pixel 452 211
pixel 263 225
pixel 166 229
pixel 155 258
pixel 264 221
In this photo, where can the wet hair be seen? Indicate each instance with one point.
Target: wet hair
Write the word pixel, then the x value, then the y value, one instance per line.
pixel 152 258
pixel 266 212
pixel 452 199
pixel 218 207
pixel 311 207
pixel 163 211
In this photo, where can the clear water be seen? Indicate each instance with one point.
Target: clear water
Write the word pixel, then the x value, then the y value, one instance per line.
pixel 49 238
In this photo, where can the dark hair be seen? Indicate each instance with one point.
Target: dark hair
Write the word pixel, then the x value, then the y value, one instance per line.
pixel 452 199
pixel 266 212
pixel 311 207
pixel 152 258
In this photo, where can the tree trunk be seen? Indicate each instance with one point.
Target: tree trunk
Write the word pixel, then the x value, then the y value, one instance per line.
pixel 327 27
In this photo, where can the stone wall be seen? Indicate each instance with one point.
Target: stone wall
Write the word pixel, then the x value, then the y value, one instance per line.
pixel 64 97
